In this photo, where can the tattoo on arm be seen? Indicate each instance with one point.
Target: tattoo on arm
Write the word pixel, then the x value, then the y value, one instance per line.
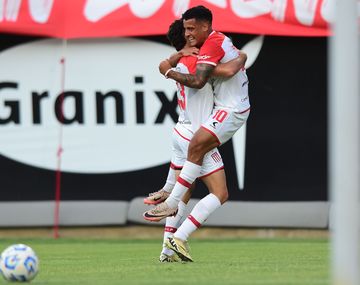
pixel 198 80
pixel 203 71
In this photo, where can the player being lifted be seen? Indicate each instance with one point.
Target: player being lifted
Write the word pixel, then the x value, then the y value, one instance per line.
pixel 195 106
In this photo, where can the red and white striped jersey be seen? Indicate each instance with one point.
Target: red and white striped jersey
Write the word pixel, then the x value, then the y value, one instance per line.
pixel 229 92
pixel 195 104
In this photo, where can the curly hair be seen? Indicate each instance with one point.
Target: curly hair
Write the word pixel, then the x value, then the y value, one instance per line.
pixel 175 34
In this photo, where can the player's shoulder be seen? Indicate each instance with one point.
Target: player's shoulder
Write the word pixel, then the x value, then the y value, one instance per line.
pixel 216 38
pixel 214 41
pixel 189 62
pixel 217 35
pixel 188 59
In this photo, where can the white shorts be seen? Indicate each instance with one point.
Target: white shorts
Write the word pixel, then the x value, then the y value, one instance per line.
pixel 223 123
pixel 180 143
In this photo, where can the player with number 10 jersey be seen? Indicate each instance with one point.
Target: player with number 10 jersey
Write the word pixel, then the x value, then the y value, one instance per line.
pixel 196 106
pixel 232 105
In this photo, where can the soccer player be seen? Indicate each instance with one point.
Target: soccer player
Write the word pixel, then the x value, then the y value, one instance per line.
pixel 195 106
pixel 231 110
pixel 183 132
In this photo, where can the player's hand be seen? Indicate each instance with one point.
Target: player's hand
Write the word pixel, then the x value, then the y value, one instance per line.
pixel 190 51
pixel 164 66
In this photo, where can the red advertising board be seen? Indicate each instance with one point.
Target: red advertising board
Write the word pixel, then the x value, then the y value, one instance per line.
pixel 110 18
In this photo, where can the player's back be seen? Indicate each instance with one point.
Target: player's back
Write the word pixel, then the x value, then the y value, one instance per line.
pixel 196 103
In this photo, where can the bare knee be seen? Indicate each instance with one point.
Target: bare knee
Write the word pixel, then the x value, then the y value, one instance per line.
pixel 221 193
pixel 223 197
pixel 216 183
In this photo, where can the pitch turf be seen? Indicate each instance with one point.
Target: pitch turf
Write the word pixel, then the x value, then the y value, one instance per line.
pixel 230 261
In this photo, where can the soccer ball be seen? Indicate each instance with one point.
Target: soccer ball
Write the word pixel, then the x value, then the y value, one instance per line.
pixel 19 263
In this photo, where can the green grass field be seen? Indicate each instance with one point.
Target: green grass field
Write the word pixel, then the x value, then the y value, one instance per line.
pixel 221 261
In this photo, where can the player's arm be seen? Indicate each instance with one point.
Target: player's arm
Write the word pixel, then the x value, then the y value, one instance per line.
pixel 187 51
pixel 197 80
pixel 231 67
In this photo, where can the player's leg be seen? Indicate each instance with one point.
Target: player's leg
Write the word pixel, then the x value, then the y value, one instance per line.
pixel 187 176
pixel 201 143
pixel 216 183
pixel 171 225
pixel 177 162
pixel 214 177
pixel 201 212
pixel 160 196
pixel 181 139
pixel 218 129
pixel 180 147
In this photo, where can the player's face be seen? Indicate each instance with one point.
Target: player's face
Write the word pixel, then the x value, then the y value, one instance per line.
pixel 196 32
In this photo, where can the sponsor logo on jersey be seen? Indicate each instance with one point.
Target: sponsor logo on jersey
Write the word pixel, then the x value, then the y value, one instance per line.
pixel 203 57
pixel 213 124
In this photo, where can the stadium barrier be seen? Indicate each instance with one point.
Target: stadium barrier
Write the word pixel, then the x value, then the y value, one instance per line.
pixel 231 214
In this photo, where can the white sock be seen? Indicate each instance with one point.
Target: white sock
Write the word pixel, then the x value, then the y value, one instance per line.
pixel 170 180
pixel 202 210
pixel 188 174
pixel 171 225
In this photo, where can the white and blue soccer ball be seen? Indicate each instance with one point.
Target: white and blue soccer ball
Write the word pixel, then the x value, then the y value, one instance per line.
pixel 19 263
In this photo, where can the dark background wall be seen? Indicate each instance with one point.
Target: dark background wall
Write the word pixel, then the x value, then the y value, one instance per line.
pixel 286 151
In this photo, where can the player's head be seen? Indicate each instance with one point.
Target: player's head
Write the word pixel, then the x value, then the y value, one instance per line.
pixel 175 35
pixel 197 24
